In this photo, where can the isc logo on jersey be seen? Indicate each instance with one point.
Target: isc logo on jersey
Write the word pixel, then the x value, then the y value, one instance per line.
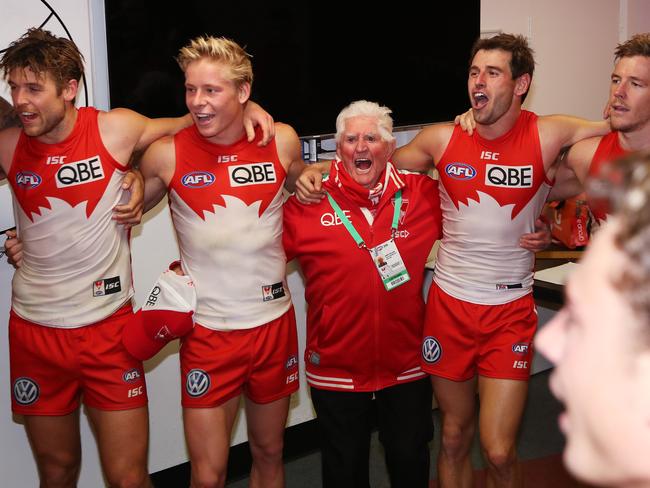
pixel 80 172
pixel 107 286
pixel 28 180
pixel 251 174
pixel 460 171
pixel 509 176
pixel 272 292
pixel 197 179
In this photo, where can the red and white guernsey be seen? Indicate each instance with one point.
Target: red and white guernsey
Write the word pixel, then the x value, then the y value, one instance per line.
pixel 491 193
pixel 77 265
pixel 226 204
pixel 609 149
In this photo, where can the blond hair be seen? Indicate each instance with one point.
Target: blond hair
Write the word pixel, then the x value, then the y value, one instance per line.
pixel 221 50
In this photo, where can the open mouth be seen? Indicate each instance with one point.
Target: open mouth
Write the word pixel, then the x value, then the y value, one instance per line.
pixel 362 164
pixel 480 99
pixel 203 118
pixel 27 116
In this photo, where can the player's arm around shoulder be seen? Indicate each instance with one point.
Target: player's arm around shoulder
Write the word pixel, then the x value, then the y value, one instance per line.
pixel 8 141
pixel 124 131
pixel 572 170
pixel 426 148
pixel 559 131
pixel 157 166
pixel 290 153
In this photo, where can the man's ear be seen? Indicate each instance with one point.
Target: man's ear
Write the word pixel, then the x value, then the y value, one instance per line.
pixel 392 145
pixel 522 84
pixel 69 91
pixel 244 92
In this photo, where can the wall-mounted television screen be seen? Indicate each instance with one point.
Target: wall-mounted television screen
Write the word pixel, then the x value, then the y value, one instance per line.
pixel 309 59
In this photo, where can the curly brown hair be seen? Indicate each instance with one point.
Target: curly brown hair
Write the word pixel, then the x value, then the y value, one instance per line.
pixel 42 52
pixel 624 187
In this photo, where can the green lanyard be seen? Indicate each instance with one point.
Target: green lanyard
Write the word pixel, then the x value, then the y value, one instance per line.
pixel 350 228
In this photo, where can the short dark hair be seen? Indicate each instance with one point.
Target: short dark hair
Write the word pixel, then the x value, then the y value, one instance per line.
pixel 522 60
pixel 637 45
pixel 42 52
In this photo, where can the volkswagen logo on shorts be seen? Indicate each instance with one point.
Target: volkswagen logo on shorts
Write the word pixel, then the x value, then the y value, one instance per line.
pixel 197 383
pixel 26 391
pixel 431 350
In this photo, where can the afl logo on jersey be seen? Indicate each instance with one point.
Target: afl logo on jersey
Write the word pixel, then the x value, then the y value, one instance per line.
pixel 431 350
pixel 28 180
pixel 460 171
pixel 197 179
pixel 26 391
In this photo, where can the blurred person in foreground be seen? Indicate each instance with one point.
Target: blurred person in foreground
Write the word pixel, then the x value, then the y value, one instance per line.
pixel 600 340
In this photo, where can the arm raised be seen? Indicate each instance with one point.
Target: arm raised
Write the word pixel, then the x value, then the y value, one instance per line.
pixel 423 152
pixel 290 154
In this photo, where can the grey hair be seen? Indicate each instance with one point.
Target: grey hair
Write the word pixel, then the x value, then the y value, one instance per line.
pixel 364 108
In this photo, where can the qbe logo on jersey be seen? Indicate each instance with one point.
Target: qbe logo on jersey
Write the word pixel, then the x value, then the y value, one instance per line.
pixel 509 176
pixel 197 383
pixel 107 286
pixel 431 350
pixel 80 172
pixel 26 391
pixel 252 174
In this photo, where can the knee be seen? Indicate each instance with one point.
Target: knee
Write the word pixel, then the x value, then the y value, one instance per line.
pixel 58 469
pixel 208 479
pixel 500 456
pixel 131 478
pixel 269 452
pixel 456 439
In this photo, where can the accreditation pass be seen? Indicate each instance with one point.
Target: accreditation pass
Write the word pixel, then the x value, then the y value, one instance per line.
pixel 389 264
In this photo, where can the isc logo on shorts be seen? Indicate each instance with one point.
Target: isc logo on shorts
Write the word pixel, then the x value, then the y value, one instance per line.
pixel 28 179
pixel 460 171
pixel 197 383
pixel 107 286
pixel 431 350
pixel 26 391
pixel 271 292
pixel 251 174
pixel 80 172
pixel 509 176
pixel 197 179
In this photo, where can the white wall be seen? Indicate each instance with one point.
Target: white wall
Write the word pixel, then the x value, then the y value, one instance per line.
pixel 574 41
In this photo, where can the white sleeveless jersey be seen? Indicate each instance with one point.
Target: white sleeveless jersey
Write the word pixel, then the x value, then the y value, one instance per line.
pixel 76 267
pixel 226 205
pixel 491 192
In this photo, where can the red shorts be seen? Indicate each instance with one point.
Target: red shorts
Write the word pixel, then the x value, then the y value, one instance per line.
pixel 462 339
pixel 218 365
pixel 51 367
